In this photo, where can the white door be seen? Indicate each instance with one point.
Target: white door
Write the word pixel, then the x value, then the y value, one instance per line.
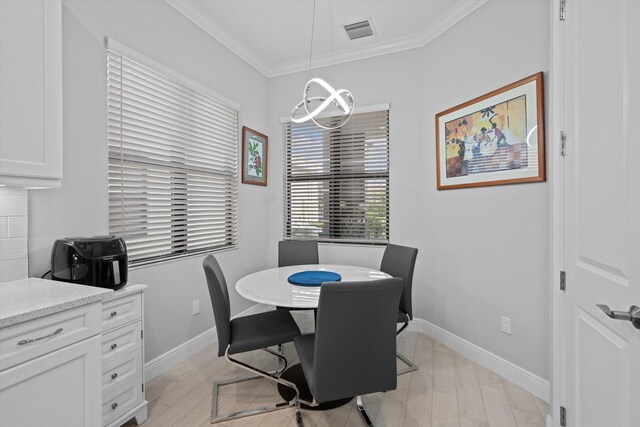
pixel 602 211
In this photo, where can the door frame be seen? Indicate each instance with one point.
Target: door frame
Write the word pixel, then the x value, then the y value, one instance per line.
pixel 557 104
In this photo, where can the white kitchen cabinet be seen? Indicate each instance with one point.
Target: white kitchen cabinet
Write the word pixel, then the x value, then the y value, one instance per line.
pixel 123 357
pixel 54 375
pixel 31 93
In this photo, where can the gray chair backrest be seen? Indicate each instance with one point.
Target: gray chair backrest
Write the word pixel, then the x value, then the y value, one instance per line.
pixel 355 343
pixel 219 300
pixel 297 252
pixel 400 261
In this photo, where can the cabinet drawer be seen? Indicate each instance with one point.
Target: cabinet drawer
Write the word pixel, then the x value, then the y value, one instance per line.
pixel 119 311
pixel 121 341
pixel 123 369
pixel 120 401
pixel 73 325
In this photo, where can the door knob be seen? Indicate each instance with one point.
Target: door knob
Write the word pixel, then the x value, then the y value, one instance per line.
pixel 633 315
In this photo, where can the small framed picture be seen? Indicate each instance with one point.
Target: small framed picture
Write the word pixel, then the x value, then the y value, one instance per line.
pixel 255 151
pixel 495 139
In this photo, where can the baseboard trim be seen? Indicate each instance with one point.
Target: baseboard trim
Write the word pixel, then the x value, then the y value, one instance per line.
pixel 516 374
pixel 510 371
pixel 173 357
pixel 182 352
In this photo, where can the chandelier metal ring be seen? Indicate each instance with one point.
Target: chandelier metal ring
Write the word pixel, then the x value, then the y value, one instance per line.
pixel 341 99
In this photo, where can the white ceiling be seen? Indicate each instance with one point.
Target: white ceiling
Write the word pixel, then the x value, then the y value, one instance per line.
pixel 275 35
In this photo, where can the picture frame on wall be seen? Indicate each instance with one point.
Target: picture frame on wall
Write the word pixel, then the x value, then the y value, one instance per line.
pixel 255 151
pixel 495 139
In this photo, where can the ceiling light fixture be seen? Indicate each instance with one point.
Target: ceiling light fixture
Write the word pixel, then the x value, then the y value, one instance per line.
pixel 341 99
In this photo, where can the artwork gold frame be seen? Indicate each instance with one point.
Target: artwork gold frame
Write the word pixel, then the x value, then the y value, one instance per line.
pixel 255 152
pixel 495 139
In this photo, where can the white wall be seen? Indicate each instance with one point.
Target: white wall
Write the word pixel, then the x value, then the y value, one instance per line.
pixel 80 206
pixel 482 251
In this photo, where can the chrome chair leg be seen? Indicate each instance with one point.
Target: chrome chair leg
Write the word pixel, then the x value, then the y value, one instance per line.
pixel 364 414
pixel 215 418
pixel 279 355
pixel 411 367
pixel 359 404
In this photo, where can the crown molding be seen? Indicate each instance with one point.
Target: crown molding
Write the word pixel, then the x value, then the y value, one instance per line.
pixel 455 14
pixel 215 30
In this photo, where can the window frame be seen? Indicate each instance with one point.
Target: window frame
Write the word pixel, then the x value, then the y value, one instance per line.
pixel 333 179
pixel 178 181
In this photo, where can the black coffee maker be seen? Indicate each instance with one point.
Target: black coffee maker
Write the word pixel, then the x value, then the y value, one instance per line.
pixel 93 261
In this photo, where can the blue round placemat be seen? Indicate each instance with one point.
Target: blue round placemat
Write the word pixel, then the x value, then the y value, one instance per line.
pixel 313 278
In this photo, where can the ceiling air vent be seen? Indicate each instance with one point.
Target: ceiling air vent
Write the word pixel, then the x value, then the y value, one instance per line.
pixel 358 30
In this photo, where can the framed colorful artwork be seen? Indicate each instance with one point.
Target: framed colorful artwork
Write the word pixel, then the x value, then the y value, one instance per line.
pixel 255 149
pixel 495 139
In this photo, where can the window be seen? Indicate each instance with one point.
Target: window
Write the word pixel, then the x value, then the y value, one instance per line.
pixel 337 181
pixel 172 165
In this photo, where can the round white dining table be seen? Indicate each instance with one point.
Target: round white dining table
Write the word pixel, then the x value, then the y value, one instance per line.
pixel 271 286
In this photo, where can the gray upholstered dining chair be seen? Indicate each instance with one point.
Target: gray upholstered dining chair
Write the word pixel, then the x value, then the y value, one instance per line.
pixel 297 252
pixel 353 349
pixel 400 261
pixel 247 333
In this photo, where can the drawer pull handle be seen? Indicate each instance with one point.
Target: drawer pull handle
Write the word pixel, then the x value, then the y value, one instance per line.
pixel 114 405
pixel 23 342
pixel 113 313
pixel 114 376
pixel 113 346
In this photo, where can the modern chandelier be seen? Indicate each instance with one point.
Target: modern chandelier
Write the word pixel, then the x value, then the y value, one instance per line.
pixel 313 106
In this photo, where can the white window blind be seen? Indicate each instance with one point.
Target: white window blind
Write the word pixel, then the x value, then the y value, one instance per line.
pixel 337 181
pixel 172 165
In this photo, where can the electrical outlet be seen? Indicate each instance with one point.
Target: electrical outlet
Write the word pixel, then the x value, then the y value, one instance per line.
pixel 506 325
pixel 196 307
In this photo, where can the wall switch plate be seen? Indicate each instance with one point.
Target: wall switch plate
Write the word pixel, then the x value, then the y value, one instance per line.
pixel 506 325
pixel 196 307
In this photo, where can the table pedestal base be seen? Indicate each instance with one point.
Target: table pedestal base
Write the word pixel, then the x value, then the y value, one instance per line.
pixel 295 375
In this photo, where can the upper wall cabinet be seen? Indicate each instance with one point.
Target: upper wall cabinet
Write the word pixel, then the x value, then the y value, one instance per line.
pixel 31 93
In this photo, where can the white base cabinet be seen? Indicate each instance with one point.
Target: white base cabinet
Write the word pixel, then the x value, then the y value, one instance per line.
pixel 123 357
pixel 58 387
pixel 80 367
pixel 54 389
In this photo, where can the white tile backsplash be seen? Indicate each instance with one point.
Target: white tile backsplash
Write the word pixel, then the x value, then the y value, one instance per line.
pixel 13 234
pixel 4 227
pixel 13 202
pixel 15 248
pixel 13 269
pixel 17 226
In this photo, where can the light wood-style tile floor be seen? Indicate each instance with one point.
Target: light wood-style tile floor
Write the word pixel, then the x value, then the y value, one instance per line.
pixel 448 390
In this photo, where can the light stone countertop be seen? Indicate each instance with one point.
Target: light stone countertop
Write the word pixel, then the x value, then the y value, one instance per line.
pixel 27 299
